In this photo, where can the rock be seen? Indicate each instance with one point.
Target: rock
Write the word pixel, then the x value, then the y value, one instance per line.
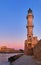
pixel 13 58
pixel 37 51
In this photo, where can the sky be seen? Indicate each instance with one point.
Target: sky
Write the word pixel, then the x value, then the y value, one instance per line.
pixel 13 21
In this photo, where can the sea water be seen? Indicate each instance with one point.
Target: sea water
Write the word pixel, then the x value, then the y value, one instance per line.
pixel 4 58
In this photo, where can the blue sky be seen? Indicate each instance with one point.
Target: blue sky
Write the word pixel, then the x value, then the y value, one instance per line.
pixel 13 21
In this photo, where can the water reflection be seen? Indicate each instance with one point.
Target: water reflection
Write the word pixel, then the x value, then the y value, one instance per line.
pixel 4 58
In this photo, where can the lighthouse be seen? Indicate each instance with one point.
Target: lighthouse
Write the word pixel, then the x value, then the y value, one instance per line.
pixel 29 26
pixel 31 40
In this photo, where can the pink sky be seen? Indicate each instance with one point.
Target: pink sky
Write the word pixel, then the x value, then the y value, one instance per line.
pixel 17 44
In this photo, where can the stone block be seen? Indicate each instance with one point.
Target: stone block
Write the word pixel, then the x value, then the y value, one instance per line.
pixel 37 51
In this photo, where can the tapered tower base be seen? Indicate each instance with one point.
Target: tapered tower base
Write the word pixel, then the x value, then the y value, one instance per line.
pixel 28 49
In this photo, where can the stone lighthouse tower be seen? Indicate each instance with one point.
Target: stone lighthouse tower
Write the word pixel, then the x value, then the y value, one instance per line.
pixel 31 41
pixel 29 26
